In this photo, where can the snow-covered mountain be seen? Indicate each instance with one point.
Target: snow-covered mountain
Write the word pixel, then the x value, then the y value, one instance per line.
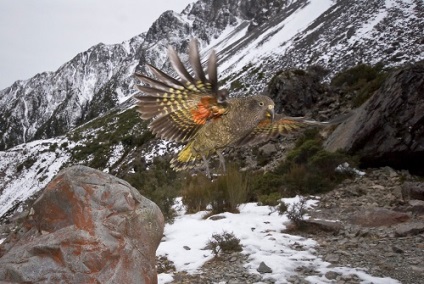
pixel 262 35
pixel 254 39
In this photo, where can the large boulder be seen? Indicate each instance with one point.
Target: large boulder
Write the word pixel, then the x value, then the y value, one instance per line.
pixel 86 227
pixel 388 129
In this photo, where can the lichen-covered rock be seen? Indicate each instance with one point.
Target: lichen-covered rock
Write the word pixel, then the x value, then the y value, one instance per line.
pixel 86 227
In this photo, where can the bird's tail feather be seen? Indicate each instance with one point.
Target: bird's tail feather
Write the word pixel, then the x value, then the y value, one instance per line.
pixel 186 159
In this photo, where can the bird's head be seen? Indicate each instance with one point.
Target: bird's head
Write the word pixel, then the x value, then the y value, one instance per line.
pixel 265 106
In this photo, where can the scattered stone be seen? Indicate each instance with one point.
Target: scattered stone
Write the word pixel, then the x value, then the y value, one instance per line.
pixel 263 268
pixel 233 258
pixel 216 217
pixel 332 258
pixel 416 206
pixel 397 249
pixel 413 190
pixel 186 248
pixel 331 275
pixel 408 229
pixel 379 250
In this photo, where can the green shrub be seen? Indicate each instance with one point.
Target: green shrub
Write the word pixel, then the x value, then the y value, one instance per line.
pixel 282 208
pixel 27 164
pixel 362 80
pixel 225 242
pixel 272 199
pixel 236 85
pixel 53 147
pixel 308 169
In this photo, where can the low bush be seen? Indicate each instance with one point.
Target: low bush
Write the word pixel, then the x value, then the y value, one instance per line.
pixel 296 212
pixel 282 208
pixel 225 242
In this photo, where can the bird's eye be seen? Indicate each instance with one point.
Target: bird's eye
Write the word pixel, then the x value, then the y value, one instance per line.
pixel 261 104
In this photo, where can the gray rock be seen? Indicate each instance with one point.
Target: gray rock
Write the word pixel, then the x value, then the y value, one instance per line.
pixel 87 227
pixel 332 258
pixel 413 190
pixel 416 206
pixel 376 217
pixel 331 275
pixel 268 149
pixel 411 228
pixel 233 259
pixel 263 268
pixel 323 225
pixel 217 217
pixel 397 249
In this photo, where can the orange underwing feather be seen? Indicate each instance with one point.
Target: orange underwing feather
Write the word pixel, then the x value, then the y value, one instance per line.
pixel 206 109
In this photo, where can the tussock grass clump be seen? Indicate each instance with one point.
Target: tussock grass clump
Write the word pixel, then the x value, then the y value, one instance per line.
pixel 224 194
pixel 196 193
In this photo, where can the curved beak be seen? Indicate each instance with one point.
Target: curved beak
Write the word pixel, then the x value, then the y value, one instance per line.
pixel 270 112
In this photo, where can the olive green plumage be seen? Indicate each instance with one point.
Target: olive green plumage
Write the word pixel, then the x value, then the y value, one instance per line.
pixel 193 110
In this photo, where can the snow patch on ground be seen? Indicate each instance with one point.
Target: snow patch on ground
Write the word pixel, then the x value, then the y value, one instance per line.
pixel 260 232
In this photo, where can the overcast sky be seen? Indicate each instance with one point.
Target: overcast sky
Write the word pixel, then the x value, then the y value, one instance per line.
pixel 41 35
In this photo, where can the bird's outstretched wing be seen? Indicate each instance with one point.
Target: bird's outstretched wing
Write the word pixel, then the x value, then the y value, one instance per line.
pixel 268 129
pixel 179 108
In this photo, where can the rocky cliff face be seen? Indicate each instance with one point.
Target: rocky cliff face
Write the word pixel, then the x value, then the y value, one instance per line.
pixel 388 129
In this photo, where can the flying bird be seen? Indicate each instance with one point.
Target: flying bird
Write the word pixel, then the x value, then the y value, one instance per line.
pixel 195 111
